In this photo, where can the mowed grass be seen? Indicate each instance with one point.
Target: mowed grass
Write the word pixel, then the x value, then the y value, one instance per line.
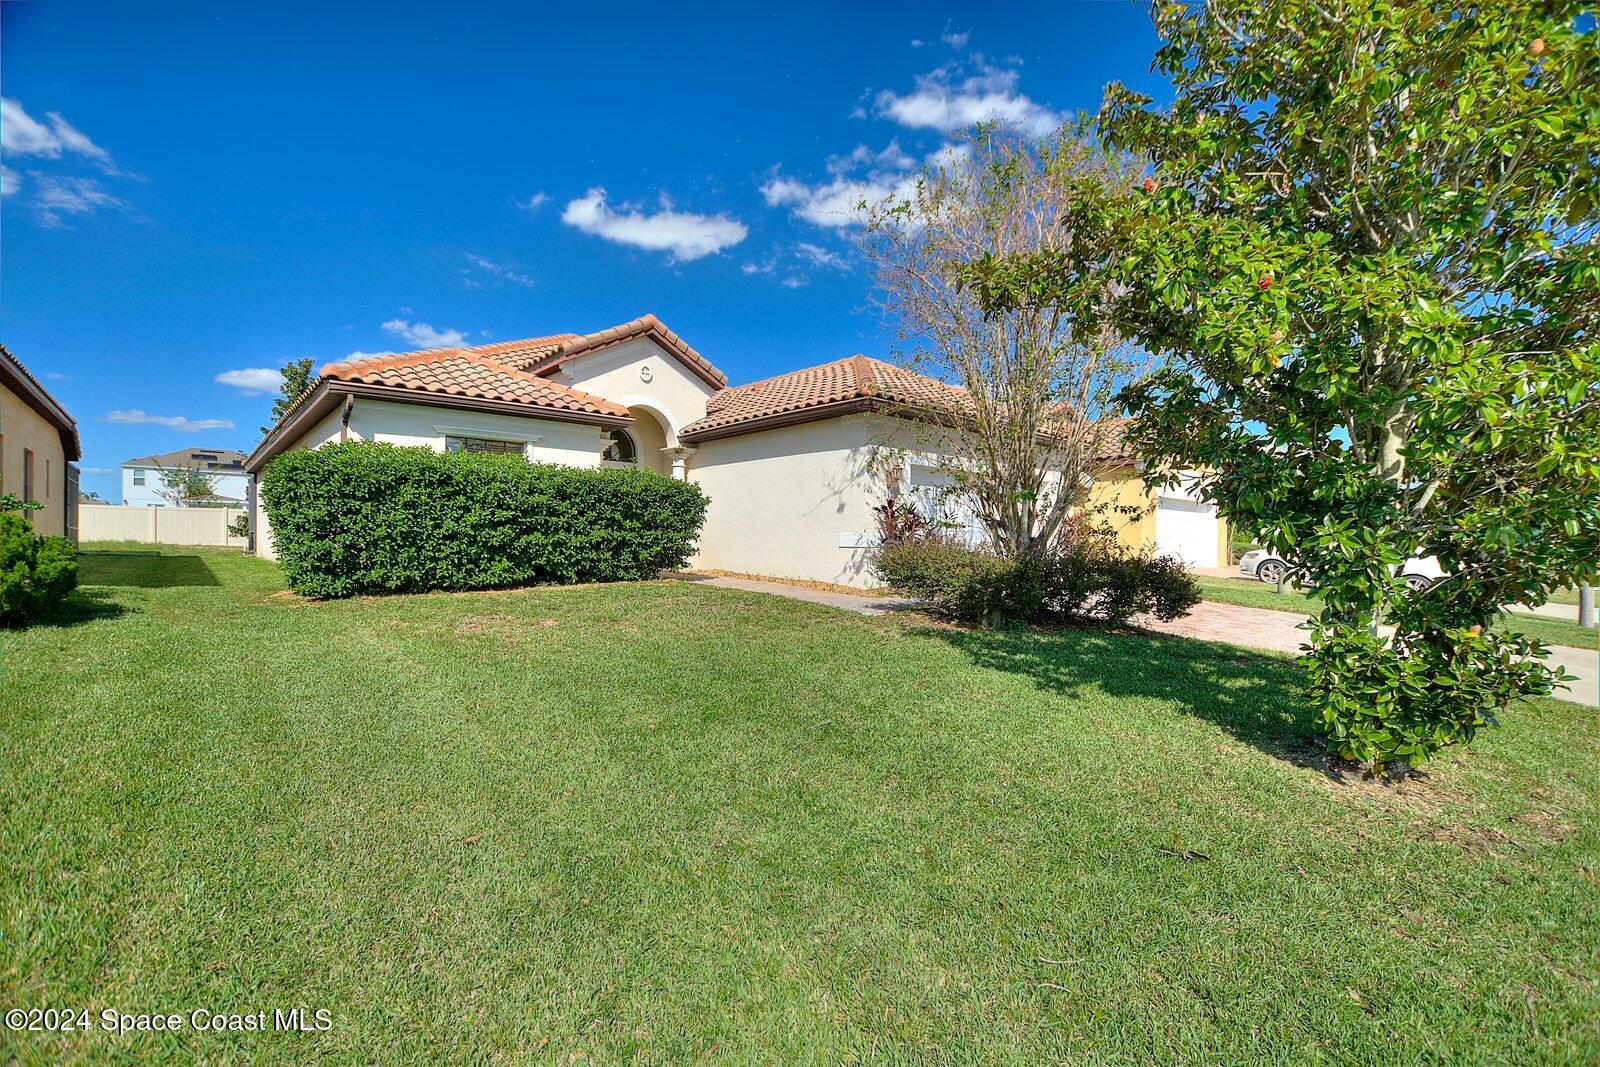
pixel 666 821
pixel 1256 594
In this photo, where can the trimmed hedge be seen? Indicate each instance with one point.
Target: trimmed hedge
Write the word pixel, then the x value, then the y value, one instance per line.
pixel 36 573
pixel 355 518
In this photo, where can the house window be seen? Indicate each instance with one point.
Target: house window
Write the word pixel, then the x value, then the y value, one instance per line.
pixel 619 448
pixel 27 474
pixel 483 444
pixel 47 479
pixel 138 477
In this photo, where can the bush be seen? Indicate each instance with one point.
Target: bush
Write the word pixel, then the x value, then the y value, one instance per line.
pixel 1085 578
pixel 361 518
pixel 36 573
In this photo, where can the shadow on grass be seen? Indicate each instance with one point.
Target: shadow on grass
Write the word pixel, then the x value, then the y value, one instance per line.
pixel 83 605
pixel 144 570
pixel 1253 697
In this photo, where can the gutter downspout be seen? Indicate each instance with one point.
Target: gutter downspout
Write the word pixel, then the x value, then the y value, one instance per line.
pixel 345 409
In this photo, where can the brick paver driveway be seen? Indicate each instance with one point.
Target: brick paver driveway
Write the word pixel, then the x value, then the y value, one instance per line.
pixel 1256 627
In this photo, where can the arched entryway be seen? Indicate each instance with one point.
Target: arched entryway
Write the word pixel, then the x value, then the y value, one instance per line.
pixel 640 443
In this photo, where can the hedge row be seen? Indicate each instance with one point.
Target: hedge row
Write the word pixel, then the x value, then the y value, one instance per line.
pixel 358 518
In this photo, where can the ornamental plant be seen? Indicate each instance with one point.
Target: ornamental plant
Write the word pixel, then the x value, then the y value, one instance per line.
pixel 1367 247
pixel 355 518
pixel 36 573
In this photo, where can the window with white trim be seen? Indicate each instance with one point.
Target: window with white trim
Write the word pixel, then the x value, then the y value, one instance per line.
pixel 485 444
pixel 138 477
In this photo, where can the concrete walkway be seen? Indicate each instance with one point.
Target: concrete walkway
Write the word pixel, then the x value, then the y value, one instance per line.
pixel 1278 631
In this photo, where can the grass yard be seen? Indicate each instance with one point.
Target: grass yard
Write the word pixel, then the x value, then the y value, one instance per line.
pixel 1255 594
pixel 664 821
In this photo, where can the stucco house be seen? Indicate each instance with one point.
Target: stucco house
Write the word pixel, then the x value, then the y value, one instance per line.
pixel 38 449
pixel 141 476
pixel 791 464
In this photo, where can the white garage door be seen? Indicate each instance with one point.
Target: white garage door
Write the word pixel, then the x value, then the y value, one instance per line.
pixel 1187 529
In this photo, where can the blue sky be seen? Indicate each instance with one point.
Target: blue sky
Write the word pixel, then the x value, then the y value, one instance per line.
pixel 202 190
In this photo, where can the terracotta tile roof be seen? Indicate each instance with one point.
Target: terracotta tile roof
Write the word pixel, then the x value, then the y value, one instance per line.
pixel 467 373
pixel 543 355
pixel 853 381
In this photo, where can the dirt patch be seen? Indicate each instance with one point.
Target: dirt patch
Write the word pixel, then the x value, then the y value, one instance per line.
pixel 824 587
pixel 1548 824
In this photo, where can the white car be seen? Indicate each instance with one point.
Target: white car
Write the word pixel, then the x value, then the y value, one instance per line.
pixel 1420 573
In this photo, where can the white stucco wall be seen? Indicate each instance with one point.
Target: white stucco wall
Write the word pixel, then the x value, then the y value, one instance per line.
pixel 569 443
pixel 639 373
pixel 794 502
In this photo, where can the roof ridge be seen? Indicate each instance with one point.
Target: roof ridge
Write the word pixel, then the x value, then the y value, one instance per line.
pixel 866 375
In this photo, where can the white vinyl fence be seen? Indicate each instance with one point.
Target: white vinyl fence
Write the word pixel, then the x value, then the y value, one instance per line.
pixel 158 526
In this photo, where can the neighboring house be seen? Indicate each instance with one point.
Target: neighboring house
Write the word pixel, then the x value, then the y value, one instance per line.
pixel 38 449
pixel 141 477
pixel 790 464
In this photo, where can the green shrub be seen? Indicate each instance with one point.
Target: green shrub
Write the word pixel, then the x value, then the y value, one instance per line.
pixel 358 518
pixel 1086 578
pixel 36 573
pixel 970 585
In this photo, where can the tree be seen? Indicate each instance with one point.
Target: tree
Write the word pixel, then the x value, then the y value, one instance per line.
pixel 1030 432
pixel 1368 244
pixel 297 382
pixel 186 485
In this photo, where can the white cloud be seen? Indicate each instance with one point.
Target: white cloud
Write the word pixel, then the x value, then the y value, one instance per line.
pixel 889 175
pixel 945 101
pixel 135 417
pixel 955 40
pixel 818 256
pixel 55 197
pixel 503 271
pixel 252 380
pixel 358 354
pixel 684 236
pixel 424 336
pixel 796 282
pixel 10 181
pixel 23 135
pixel 98 470
pixel 534 202
pixel 766 266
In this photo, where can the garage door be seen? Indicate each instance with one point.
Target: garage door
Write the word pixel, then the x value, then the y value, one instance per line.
pixel 1187 529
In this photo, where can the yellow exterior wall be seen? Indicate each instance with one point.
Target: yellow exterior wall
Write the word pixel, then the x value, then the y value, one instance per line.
pixel 1125 486
pixel 23 428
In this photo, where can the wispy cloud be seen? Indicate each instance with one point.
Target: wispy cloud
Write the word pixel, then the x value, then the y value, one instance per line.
pixel 957 96
pixel 424 336
pixel 504 271
pixel 683 235
pixel 98 470
pixel 10 181
pixel 956 40
pixel 796 281
pixel 55 197
pixel 135 417
pixel 23 135
pixel 534 202
pixel 818 256
pixel 252 380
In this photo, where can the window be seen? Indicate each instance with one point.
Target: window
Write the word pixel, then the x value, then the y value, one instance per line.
pixel 46 480
pixel 483 444
pixel 27 474
pixel 619 448
pixel 138 477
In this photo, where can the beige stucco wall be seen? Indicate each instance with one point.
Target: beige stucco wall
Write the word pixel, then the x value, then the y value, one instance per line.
pixel 639 374
pixel 1126 487
pixel 23 428
pixel 782 500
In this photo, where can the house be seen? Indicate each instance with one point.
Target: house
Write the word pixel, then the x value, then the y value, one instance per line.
pixel 38 449
pixel 142 484
pixel 792 465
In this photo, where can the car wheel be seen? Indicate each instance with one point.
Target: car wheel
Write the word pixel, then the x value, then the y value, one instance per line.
pixel 1418 584
pixel 1270 572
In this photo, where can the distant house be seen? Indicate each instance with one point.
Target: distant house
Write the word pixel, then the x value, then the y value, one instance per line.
pixel 38 444
pixel 141 478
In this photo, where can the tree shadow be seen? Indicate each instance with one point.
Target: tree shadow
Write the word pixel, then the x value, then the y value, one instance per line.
pixel 1253 696
pixel 80 607
pixel 144 570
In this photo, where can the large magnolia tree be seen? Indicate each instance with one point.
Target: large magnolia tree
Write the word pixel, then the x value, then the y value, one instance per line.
pixel 1368 241
pixel 1032 430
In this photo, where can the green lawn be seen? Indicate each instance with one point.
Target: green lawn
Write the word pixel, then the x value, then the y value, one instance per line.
pixel 1255 594
pixel 663 820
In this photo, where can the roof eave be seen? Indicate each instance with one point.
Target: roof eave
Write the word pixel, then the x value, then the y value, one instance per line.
pixel 17 378
pixel 329 393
